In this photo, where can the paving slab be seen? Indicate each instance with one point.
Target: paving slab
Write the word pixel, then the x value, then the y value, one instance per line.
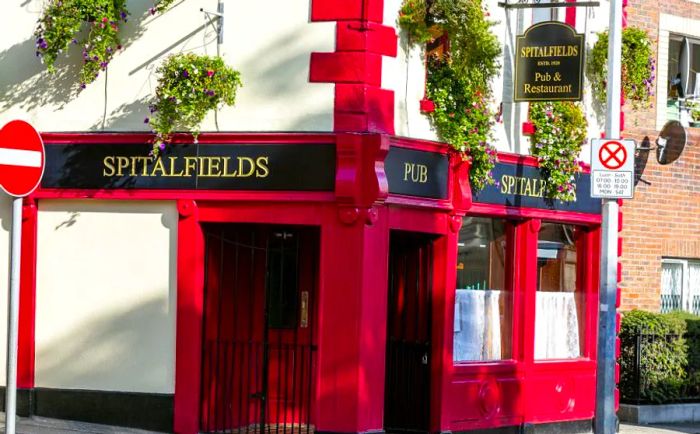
pixel 42 425
pixel 660 429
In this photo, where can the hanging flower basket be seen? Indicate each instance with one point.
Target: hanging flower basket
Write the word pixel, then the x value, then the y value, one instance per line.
pixel 459 81
pixel 189 87
pixel 638 67
pixel 560 130
pixel 62 20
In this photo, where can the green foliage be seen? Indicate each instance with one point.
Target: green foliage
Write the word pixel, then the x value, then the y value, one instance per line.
pixel 412 18
pixel 638 67
pixel 62 20
pixel 189 86
pixel 560 130
pixel 459 83
pixel 160 6
pixel 462 118
pixel 663 361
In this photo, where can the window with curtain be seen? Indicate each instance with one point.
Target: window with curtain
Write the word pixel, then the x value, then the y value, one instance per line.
pixel 483 306
pixel 680 285
pixel 683 86
pixel 560 304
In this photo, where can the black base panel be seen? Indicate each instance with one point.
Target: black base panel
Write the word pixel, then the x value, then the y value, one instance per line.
pixel 25 401
pixel 135 410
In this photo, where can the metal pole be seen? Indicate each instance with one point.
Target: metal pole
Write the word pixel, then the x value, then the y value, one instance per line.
pixel 605 417
pixel 13 317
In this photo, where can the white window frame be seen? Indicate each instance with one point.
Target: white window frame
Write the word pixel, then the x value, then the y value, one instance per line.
pixel 686 301
pixel 668 25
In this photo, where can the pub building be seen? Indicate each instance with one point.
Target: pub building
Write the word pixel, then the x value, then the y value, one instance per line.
pixel 315 262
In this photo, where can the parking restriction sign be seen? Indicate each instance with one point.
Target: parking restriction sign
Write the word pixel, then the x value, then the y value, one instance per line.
pixel 612 168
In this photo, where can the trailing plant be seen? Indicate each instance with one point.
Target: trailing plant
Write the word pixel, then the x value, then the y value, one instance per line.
pixel 189 86
pixel 462 118
pixel 638 66
pixel 160 6
pixel 62 20
pixel 560 130
pixel 459 82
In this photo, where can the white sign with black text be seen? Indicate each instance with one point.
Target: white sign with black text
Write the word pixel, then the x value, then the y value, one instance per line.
pixel 612 168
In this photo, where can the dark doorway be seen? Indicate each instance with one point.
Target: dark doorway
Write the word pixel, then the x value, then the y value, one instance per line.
pixel 258 348
pixel 407 391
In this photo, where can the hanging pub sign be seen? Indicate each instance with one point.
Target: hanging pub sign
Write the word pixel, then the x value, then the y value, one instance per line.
pixel 549 63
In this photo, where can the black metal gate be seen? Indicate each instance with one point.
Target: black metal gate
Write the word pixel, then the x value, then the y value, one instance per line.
pixel 258 357
pixel 407 385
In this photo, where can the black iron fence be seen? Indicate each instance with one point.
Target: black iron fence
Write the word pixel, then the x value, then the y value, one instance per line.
pixel 659 368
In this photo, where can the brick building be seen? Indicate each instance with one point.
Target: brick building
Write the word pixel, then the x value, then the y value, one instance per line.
pixel 661 229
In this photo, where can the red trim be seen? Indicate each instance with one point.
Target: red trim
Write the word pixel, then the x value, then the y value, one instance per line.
pixel 27 300
pixel 550 215
pixel 190 311
pixel 361 105
pixel 570 18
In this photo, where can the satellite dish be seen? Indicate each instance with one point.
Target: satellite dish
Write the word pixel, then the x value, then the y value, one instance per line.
pixel 671 142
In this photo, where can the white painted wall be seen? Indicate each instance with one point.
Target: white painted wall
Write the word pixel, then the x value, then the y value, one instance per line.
pixel 268 41
pixel 5 227
pixel 106 295
pixel 405 75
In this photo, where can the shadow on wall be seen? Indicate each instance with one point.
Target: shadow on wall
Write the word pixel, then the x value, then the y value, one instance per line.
pixel 130 348
pixel 127 350
pixel 25 83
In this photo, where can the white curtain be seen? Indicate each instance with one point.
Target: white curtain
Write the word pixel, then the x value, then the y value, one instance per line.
pixel 556 326
pixel 694 287
pixel 477 325
pixel 671 278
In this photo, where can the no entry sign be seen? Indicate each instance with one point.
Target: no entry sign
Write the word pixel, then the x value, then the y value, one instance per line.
pixel 21 158
pixel 612 168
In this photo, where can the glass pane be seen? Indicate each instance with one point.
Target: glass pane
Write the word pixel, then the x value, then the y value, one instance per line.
pixel 560 308
pixel 671 286
pixel 694 287
pixel 282 281
pixel 483 322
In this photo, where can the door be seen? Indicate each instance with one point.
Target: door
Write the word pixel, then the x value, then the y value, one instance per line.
pixel 258 353
pixel 407 386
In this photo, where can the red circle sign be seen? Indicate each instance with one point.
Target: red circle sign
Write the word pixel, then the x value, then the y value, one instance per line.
pixel 21 158
pixel 612 155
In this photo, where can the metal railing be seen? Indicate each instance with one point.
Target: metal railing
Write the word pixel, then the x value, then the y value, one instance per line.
pixel 659 368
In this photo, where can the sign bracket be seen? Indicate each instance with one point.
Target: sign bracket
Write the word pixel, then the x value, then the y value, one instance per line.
pixel 537 5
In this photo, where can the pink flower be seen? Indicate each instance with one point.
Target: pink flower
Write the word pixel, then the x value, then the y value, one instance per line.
pixel 210 73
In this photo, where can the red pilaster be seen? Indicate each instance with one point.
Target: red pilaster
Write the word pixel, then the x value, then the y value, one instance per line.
pixel 190 310
pixel 27 297
pixel 361 105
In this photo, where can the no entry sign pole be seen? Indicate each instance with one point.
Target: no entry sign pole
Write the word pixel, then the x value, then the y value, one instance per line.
pixel 21 168
pixel 13 317
pixel 605 417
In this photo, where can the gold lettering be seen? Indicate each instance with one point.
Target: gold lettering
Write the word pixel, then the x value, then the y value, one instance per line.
pixel 172 168
pixel 202 165
pixel 263 170
pixel 406 170
pixel 225 169
pixel 214 167
pixel 251 166
pixel 190 164
pixel 122 163
pixel 108 163
pixel 158 167
pixel 528 187
pixel 133 166
pixel 145 160
pixel 504 188
pixel 423 173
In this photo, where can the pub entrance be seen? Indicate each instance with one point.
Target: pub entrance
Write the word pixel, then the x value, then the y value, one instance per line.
pixel 407 384
pixel 258 346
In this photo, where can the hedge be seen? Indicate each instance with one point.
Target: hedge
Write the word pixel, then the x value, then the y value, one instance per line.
pixel 670 357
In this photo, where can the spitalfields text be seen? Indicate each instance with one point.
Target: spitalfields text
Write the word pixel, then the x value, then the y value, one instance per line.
pixel 203 167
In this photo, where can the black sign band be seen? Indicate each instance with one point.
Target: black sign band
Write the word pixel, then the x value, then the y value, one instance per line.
pixel 521 186
pixel 303 167
pixel 549 63
pixel 417 173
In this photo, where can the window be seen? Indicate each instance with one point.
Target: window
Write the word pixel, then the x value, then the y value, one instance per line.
pixel 283 280
pixel 680 285
pixel 683 79
pixel 560 306
pixel 483 312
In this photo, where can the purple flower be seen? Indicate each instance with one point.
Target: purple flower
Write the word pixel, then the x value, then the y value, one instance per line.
pixel 103 65
pixel 123 15
pixel 161 146
pixel 152 11
pixel 185 73
pixel 211 93
pixel 74 41
pixel 82 85
pixel 152 108
pixel 147 120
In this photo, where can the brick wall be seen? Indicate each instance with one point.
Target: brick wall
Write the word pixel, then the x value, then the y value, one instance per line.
pixel 663 219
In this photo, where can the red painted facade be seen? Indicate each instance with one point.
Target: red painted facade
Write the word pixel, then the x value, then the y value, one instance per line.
pixel 354 223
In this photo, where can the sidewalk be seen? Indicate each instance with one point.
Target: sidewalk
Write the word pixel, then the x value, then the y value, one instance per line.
pixel 42 425
pixel 692 428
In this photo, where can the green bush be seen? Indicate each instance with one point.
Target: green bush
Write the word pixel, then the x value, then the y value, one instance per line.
pixel 663 361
